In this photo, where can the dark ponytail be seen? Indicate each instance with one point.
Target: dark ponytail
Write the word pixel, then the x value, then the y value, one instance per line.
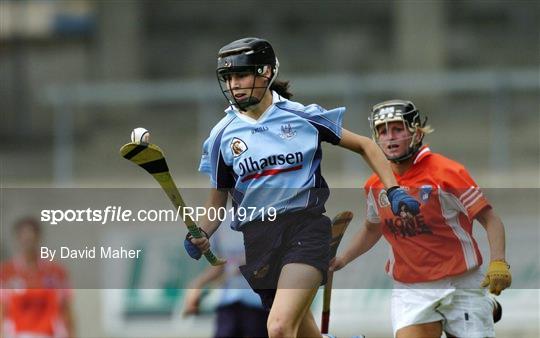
pixel 282 88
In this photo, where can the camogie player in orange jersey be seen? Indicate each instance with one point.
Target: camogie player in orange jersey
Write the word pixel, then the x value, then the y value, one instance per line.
pixel 35 298
pixel 434 258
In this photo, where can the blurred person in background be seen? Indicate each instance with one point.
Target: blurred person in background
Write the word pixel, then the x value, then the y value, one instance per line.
pixel 36 295
pixel 434 259
pixel 239 310
pixel 266 153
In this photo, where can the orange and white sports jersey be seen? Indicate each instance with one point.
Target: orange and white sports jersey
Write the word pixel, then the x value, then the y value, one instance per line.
pixel 32 298
pixel 437 242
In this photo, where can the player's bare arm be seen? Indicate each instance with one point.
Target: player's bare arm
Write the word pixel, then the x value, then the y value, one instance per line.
pixel 372 155
pixel 193 293
pixel 363 241
pixel 498 275
pixel 216 200
pixel 495 233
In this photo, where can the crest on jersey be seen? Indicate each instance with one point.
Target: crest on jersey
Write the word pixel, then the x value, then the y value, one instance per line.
pixel 238 147
pixel 383 199
pixel 287 132
pixel 425 192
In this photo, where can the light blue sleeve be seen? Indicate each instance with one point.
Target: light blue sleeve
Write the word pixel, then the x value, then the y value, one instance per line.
pixel 328 122
pixel 212 161
pixel 204 165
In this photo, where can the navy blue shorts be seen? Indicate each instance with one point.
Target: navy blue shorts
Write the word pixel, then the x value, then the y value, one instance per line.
pixel 239 320
pixel 299 237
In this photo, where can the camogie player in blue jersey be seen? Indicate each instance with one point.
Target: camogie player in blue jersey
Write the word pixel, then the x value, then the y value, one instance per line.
pixel 266 154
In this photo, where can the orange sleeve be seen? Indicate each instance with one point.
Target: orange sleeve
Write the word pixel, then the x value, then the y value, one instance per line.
pixel 471 199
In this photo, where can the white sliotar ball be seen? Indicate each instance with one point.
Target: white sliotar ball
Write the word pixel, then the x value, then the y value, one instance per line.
pixel 140 135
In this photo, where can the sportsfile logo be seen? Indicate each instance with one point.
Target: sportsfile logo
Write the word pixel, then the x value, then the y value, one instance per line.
pixel 248 166
pixel 113 214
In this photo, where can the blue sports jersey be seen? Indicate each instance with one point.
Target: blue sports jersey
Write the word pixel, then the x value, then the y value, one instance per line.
pixel 272 162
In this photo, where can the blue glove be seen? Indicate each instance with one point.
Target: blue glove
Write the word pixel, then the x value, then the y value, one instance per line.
pixel 192 250
pixel 401 201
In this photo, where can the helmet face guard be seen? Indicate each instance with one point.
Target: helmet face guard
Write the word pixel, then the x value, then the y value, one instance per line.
pixel 246 56
pixel 224 76
pixel 398 111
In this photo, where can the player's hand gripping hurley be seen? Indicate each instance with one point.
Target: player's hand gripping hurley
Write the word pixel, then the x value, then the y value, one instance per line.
pixel 339 225
pixel 150 157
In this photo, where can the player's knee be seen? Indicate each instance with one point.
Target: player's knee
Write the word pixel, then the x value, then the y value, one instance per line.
pixel 278 327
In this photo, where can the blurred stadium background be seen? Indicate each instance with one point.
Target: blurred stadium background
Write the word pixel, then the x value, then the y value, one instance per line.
pixel 77 76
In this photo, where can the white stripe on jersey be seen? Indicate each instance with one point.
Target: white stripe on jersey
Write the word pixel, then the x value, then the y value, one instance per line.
pixel 450 209
pixel 471 196
pixel 422 152
pixel 464 195
pixel 471 203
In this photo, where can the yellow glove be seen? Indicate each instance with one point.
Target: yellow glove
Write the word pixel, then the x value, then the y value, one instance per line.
pixel 498 277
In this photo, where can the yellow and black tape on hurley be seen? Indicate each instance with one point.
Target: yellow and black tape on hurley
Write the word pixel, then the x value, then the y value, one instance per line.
pixel 150 157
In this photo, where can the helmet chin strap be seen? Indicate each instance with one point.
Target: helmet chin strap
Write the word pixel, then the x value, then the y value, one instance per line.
pixel 253 100
pixel 249 102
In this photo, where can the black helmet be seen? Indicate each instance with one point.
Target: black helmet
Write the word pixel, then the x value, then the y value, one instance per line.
pixel 247 55
pixel 398 111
